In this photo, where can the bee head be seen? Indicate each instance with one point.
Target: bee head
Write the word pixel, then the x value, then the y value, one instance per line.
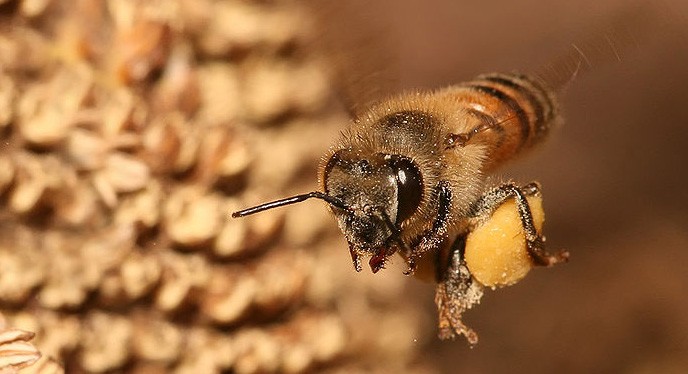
pixel 380 191
pixel 371 195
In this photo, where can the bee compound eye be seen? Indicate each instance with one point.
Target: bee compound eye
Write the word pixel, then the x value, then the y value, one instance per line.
pixel 409 186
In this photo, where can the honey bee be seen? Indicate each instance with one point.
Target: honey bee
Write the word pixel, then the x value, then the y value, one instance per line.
pixel 409 177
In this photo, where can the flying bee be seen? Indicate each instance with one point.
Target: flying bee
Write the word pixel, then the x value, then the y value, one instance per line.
pixel 409 177
pixel 409 173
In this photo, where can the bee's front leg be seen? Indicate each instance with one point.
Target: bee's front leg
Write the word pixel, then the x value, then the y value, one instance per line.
pixel 433 238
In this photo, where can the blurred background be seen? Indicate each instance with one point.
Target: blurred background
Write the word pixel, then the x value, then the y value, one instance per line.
pixel 614 180
pixel 130 129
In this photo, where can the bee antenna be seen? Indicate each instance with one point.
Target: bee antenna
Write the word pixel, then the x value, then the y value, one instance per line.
pixel 335 202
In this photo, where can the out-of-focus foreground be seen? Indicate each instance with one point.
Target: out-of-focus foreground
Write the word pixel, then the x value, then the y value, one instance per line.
pixel 130 130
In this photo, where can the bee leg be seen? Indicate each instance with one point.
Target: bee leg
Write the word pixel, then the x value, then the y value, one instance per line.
pixel 531 189
pixel 456 292
pixel 534 242
pixel 431 239
pixel 461 139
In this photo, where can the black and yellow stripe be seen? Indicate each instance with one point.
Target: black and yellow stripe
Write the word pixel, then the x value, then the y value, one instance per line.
pixel 541 102
pixel 515 112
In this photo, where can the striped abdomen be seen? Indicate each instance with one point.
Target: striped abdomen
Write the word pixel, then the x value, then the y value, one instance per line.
pixel 511 113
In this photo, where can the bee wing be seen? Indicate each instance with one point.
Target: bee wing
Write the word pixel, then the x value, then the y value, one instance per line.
pixel 355 40
pixel 615 42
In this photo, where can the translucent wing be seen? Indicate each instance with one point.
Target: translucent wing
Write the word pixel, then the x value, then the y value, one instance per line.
pixel 614 42
pixel 355 40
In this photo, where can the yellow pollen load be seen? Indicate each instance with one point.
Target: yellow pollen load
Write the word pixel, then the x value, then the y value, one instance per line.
pixel 496 252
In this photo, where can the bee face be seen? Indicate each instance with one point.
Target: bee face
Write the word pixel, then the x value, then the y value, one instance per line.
pixel 380 192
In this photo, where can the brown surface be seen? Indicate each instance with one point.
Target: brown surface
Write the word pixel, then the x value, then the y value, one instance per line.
pixel 129 131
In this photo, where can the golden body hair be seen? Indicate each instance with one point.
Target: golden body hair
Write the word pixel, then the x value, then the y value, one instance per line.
pixel 456 135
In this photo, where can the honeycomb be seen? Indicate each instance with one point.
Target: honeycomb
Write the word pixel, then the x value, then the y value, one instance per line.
pixel 130 130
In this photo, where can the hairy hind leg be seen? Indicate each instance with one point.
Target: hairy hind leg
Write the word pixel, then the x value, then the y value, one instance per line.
pixel 535 243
